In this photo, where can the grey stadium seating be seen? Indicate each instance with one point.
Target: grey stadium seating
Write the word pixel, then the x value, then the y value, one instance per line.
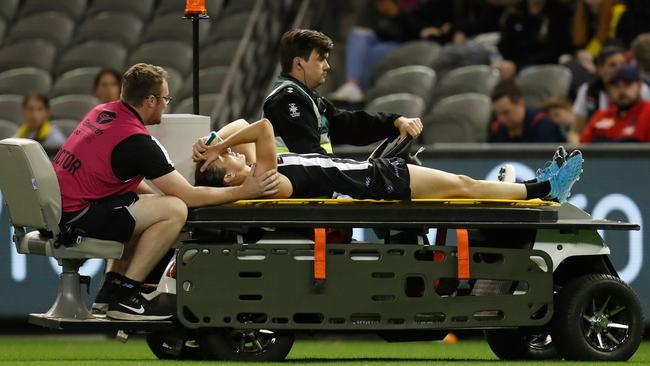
pixel 11 108
pixel 538 83
pixel 139 8
pixel 177 7
pixel 473 108
pixel 72 106
pixel 28 53
pixel 443 127
pixel 7 129
pixel 123 28
pixel 206 104
pixel 467 79
pixel 93 54
pixel 230 27
pixel 73 8
pixel 8 9
pixel 414 79
pixel 218 54
pixel 404 104
pixel 174 54
pixel 66 125
pixel 411 53
pixel 25 81
pixel 76 81
pixel 172 27
pixel 51 26
pixel 210 81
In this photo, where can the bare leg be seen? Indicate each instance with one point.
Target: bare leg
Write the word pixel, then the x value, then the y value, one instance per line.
pixel 159 220
pixel 432 183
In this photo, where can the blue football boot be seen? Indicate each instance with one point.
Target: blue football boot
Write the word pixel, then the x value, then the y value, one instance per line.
pixel 562 181
pixel 551 167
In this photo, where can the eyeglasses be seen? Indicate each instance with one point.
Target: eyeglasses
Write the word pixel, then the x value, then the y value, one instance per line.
pixel 167 99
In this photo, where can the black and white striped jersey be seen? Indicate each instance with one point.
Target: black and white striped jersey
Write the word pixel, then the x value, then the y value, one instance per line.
pixel 316 175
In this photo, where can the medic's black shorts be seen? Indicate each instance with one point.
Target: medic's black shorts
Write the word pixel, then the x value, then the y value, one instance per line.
pixel 106 219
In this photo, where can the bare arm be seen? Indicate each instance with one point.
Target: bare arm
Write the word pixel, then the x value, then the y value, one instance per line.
pixel 174 184
pixel 261 134
pixel 226 131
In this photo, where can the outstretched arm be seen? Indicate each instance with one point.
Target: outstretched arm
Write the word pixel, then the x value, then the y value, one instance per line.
pixel 260 133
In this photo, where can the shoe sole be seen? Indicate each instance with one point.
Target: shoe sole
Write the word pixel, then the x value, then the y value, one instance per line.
pixel 118 315
pixel 574 176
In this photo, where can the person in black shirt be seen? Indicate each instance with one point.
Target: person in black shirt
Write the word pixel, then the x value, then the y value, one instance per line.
pixel 314 175
pixel 304 121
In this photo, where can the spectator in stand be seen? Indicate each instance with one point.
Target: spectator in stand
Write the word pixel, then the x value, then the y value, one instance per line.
pixel 594 26
pixel 592 97
pixel 480 16
pixel 634 21
pixel 37 125
pixel 515 122
pixel 641 54
pixel 533 33
pixel 560 111
pixel 400 21
pixel 628 117
pixel 107 85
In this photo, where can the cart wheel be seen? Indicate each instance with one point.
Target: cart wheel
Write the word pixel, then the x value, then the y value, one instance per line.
pixel 521 344
pixel 597 317
pixel 169 346
pixel 246 345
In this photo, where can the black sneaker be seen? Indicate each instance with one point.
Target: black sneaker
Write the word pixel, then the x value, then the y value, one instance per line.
pixel 106 292
pixel 130 305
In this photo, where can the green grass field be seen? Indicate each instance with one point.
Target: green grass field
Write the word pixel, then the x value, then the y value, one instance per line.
pixel 71 351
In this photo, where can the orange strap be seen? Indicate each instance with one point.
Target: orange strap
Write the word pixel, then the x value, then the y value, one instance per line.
pixel 463 254
pixel 319 254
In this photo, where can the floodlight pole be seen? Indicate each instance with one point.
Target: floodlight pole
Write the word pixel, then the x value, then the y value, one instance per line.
pixel 195 10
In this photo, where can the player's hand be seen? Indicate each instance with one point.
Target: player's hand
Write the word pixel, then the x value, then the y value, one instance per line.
pixel 409 126
pixel 211 154
pixel 265 184
pixel 198 149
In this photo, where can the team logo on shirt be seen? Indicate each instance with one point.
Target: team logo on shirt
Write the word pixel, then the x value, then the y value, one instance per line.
pixel 605 124
pixel 105 117
pixel 293 110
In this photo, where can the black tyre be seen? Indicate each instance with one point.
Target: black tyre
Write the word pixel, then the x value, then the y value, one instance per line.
pixel 597 317
pixel 246 345
pixel 521 344
pixel 171 346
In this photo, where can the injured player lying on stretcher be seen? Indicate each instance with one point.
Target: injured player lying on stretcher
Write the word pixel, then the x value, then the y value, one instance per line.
pixel 315 175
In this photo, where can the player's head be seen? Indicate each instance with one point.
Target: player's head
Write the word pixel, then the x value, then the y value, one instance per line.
pixel 229 169
pixel 145 88
pixel 304 53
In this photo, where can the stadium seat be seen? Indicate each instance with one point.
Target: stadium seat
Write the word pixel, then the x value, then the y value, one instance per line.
pixel 11 108
pixel 173 54
pixel 411 53
pixel 230 27
pixel 7 129
pixel 414 79
pixel 28 53
pixel 488 40
pixel 66 125
pixel 139 8
pixel 3 29
pixel 473 108
pixel 444 127
pixel 41 26
pixel 72 106
pixel 240 6
pixel 27 167
pixel 93 54
pixel 214 7
pixel 538 83
pixel 8 9
pixel 218 54
pixel 467 79
pixel 174 82
pixel 172 27
pixel 207 103
pixel 404 104
pixel 25 81
pixel 210 81
pixel 73 8
pixel 76 81
pixel 123 28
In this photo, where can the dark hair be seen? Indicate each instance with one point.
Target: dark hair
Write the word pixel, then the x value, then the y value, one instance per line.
pixel 211 177
pixel 556 102
pixel 141 81
pixel 103 72
pixel 507 88
pixel 607 52
pixel 300 43
pixel 38 96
